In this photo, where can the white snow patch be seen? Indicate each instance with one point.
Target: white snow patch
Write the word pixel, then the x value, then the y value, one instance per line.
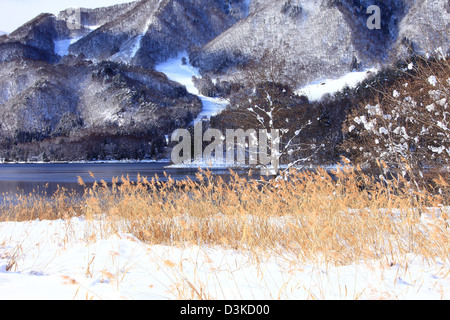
pixel 176 71
pixel 383 130
pixel 93 27
pixel 318 89
pixel 432 80
pixel 62 46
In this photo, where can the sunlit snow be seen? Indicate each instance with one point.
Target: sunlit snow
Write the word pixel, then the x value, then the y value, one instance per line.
pixel 318 89
pixel 175 70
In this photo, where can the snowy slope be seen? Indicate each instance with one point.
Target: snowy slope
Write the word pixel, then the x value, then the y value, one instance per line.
pixel 62 46
pixel 175 70
pixel 318 89
pixel 68 259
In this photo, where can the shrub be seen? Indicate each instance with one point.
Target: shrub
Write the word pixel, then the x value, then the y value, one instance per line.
pixel 406 124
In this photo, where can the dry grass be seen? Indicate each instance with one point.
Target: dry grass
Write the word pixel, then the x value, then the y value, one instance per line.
pixel 339 218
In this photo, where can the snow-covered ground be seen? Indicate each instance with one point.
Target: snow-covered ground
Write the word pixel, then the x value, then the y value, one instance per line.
pixel 318 89
pixel 175 70
pixel 80 259
pixel 62 46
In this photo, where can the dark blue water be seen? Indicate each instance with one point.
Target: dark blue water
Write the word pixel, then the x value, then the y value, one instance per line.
pixel 32 178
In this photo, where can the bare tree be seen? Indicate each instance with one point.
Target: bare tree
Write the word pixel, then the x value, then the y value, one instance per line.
pixel 265 100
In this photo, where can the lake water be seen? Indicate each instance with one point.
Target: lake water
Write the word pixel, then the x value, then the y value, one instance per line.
pixel 48 176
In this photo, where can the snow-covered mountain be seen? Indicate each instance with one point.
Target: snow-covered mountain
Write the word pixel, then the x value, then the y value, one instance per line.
pixel 99 79
pixel 153 31
pixel 323 38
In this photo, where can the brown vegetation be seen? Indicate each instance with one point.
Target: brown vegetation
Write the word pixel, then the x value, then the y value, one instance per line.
pixel 341 217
